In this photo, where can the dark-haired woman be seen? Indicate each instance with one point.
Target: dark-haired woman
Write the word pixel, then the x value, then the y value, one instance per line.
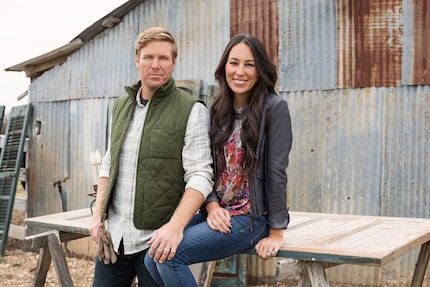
pixel 251 139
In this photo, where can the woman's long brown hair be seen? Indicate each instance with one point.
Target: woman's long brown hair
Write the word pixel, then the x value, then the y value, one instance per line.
pixel 222 110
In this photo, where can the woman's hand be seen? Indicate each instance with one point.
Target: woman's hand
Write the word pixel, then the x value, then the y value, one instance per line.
pixel 268 247
pixel 218 218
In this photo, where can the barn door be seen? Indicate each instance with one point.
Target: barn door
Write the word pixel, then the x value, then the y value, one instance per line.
pixel 10 161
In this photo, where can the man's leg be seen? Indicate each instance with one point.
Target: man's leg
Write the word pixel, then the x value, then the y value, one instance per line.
pixel 120 274
pixel 123 272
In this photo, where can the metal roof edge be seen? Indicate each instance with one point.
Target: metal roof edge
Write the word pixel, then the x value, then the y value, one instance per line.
pixel 59 52
pixel 48 60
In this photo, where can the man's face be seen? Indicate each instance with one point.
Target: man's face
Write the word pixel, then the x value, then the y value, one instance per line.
pixel 155 64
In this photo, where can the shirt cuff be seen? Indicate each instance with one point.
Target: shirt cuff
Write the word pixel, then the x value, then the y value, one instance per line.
pixel 201 184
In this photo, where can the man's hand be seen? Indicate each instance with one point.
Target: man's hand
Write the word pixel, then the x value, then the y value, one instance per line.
pixel 165 242
pixel 94 228
pixel 167 238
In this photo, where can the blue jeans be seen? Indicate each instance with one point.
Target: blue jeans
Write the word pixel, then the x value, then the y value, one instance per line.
pixel 122 273
pixel 201 244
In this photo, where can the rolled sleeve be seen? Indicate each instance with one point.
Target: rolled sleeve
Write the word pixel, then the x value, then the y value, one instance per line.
pixel 196 154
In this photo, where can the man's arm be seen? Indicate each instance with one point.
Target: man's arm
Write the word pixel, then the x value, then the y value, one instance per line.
pixel 96 221
pixel 197 162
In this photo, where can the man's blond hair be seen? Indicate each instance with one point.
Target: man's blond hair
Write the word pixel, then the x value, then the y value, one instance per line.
pixel 155 34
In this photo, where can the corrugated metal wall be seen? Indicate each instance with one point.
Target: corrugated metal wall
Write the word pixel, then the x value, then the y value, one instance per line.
pixel 348 70
pixel 362 151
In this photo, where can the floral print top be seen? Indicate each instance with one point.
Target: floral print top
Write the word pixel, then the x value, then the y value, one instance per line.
pixel 232 187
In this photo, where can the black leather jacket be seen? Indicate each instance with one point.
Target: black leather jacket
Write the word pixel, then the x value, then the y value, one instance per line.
pixel 268 189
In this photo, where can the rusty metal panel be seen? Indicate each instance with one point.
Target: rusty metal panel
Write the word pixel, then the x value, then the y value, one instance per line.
pixel 258 18
pixel 369 43
pixel 307 45
pixel 421 71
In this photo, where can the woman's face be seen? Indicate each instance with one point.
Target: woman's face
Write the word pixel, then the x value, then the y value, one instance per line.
pixel 241 73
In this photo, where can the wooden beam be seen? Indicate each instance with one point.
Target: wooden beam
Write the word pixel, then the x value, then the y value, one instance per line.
pixel 35 70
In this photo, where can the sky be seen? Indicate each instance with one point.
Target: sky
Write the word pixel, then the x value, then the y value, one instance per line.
pixel 30 28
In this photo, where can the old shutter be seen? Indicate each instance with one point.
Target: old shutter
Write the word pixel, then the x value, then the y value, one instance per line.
pixel 1 117
pixel 10 161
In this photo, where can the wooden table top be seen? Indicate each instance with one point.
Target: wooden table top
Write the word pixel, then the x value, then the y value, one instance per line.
pixel 355 239
pixel 322 237
pixel 74 221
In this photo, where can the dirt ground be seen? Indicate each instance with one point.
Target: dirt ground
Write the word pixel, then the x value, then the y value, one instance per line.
pixel 17 267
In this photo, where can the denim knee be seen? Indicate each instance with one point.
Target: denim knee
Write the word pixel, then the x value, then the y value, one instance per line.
pixel 151 266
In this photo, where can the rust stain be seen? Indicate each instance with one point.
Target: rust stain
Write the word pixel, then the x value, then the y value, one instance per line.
pixel 258 18
pixel 421 71
pixel 369 43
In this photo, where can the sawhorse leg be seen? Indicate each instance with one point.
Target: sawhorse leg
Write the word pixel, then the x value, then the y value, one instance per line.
pixel 421 266
pixel 314 274
pixel 42 268
pixel 52 250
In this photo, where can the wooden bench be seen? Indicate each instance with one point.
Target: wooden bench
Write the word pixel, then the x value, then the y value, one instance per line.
pixel 314 240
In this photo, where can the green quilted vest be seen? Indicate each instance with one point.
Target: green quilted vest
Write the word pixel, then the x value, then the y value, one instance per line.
pixel 160 174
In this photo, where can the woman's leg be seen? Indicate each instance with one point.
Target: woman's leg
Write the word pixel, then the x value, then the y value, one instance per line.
pixel 201 244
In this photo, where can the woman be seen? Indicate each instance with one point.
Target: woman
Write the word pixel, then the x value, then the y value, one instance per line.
pixel 251 139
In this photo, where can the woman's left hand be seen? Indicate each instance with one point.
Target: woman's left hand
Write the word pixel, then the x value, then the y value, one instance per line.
pixel 268 247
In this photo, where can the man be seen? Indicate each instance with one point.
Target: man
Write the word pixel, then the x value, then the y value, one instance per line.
pixel 156 172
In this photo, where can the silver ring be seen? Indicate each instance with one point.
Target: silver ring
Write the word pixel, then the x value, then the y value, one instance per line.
pixel 270 251
pixel 167 249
